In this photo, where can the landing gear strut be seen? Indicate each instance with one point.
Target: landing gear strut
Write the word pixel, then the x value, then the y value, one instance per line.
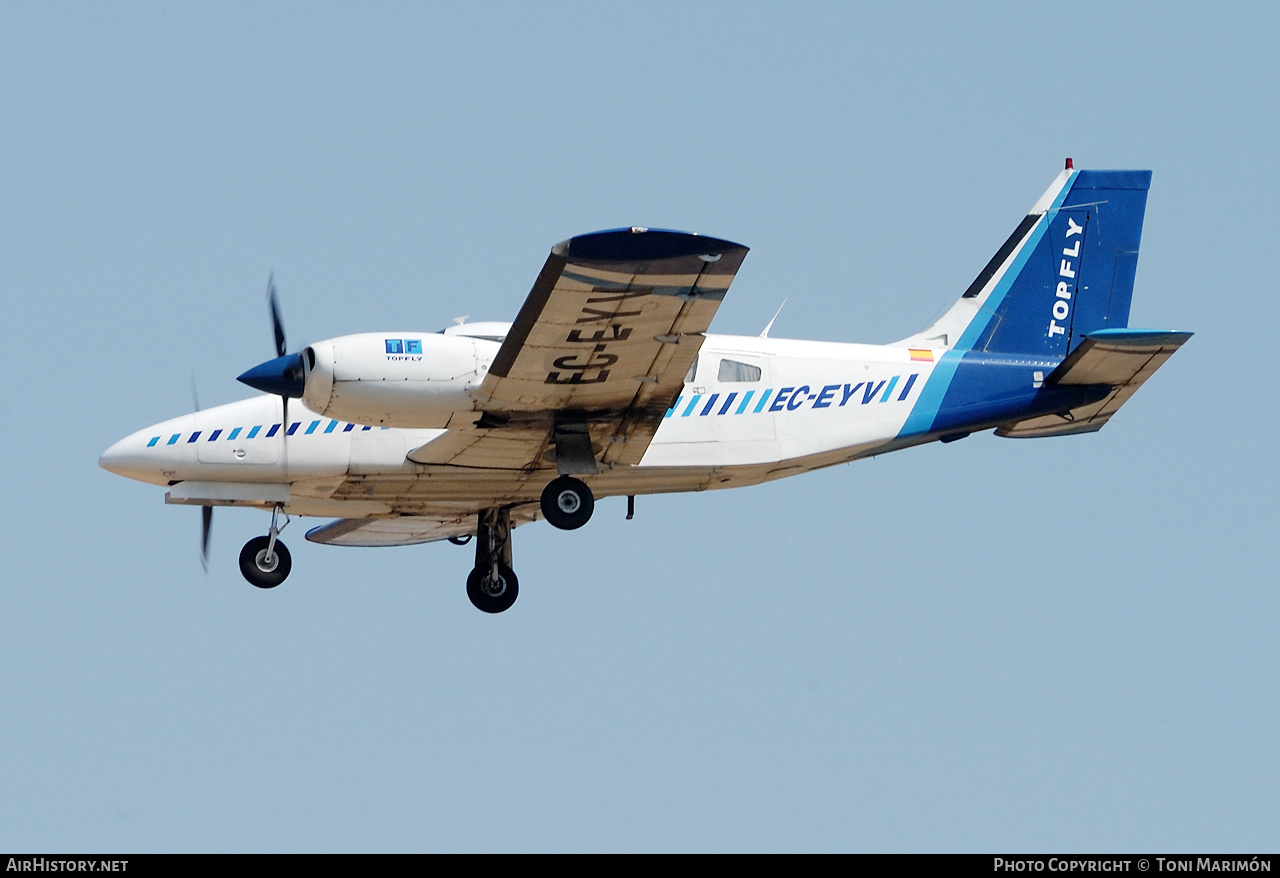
pixel 265 561
pixel 567 503
pixel 492 585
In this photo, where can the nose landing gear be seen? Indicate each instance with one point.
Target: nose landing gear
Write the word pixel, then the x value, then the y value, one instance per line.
pixel 492 586
pixel 265 561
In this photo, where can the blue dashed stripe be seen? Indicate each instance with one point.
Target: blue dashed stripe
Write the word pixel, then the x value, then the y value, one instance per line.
pixel 716 403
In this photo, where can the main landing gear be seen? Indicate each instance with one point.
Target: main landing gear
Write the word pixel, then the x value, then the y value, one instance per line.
pixel 567 503
pixel 492 585
pixel 265 561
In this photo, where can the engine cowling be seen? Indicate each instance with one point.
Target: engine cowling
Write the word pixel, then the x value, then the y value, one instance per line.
pixel 411 379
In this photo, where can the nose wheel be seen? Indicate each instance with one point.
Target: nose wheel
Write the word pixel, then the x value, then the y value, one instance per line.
pixel 490 592
pixel 262 568
pixel 265 561
pixel 492 586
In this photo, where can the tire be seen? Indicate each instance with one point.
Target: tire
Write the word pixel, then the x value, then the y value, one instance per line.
pixel 462 540
pixel 484 599
pixel 567 503
pixel 253 568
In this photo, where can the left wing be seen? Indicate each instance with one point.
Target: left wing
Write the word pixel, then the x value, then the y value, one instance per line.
pixel 597 354
pixel 407 530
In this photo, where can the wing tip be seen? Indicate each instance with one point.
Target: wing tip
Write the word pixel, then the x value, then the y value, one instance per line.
pixel 640 244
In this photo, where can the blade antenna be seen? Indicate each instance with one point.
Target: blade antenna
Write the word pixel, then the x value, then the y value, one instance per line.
pixel 765 334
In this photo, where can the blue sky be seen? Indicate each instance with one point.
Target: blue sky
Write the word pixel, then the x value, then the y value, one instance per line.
pixel 993 645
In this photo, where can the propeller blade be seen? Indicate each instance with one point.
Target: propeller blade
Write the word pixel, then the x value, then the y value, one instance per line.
pixel 206 525
pixel 195 397
pixel 277 325
pixel 284 437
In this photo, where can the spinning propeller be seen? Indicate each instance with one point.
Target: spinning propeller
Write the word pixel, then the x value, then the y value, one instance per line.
pixel 284 376
pixel 206 512
pixel 206 524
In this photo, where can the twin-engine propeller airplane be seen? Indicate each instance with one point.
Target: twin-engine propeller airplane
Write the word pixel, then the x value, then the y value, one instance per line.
pixel 608 384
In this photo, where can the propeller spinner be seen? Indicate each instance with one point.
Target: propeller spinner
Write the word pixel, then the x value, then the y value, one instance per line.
pixel 283 376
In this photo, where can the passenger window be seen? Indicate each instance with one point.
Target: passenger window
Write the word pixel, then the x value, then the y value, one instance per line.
pixel 732 370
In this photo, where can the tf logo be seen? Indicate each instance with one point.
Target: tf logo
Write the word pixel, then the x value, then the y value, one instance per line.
pixel 404 345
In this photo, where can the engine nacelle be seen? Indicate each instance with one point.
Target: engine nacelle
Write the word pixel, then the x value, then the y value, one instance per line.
pixel 412 379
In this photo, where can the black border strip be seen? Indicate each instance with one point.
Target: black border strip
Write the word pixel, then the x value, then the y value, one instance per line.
pixel 1001 255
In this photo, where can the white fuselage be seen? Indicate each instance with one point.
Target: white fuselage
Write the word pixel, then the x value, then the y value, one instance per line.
pixel 752 409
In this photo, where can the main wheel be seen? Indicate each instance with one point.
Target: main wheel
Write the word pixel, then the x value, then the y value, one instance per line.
pixel 489 595
pixel 567 503
pixel 261 571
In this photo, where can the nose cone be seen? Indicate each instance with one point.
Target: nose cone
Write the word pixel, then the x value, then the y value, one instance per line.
pixel 282 376
pixel 127 458
pixel 113 459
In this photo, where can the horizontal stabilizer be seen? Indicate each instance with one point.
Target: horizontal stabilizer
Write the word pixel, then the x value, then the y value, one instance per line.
pixel 1118 356
pixel 1122 358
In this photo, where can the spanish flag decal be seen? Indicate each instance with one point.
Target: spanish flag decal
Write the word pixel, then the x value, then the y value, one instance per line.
pixel 919 355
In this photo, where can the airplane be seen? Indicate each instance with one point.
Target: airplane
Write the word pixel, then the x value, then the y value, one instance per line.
pixel 608 383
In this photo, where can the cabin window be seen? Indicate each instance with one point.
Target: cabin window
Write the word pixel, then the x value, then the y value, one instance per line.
pixel 732 370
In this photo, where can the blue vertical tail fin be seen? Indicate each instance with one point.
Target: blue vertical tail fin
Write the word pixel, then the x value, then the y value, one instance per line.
pixel 1066 271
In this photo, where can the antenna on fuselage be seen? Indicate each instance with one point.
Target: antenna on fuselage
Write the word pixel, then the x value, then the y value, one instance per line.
pixel 765 334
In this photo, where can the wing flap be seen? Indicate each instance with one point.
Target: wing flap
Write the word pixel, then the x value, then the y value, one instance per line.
pixel 509 446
